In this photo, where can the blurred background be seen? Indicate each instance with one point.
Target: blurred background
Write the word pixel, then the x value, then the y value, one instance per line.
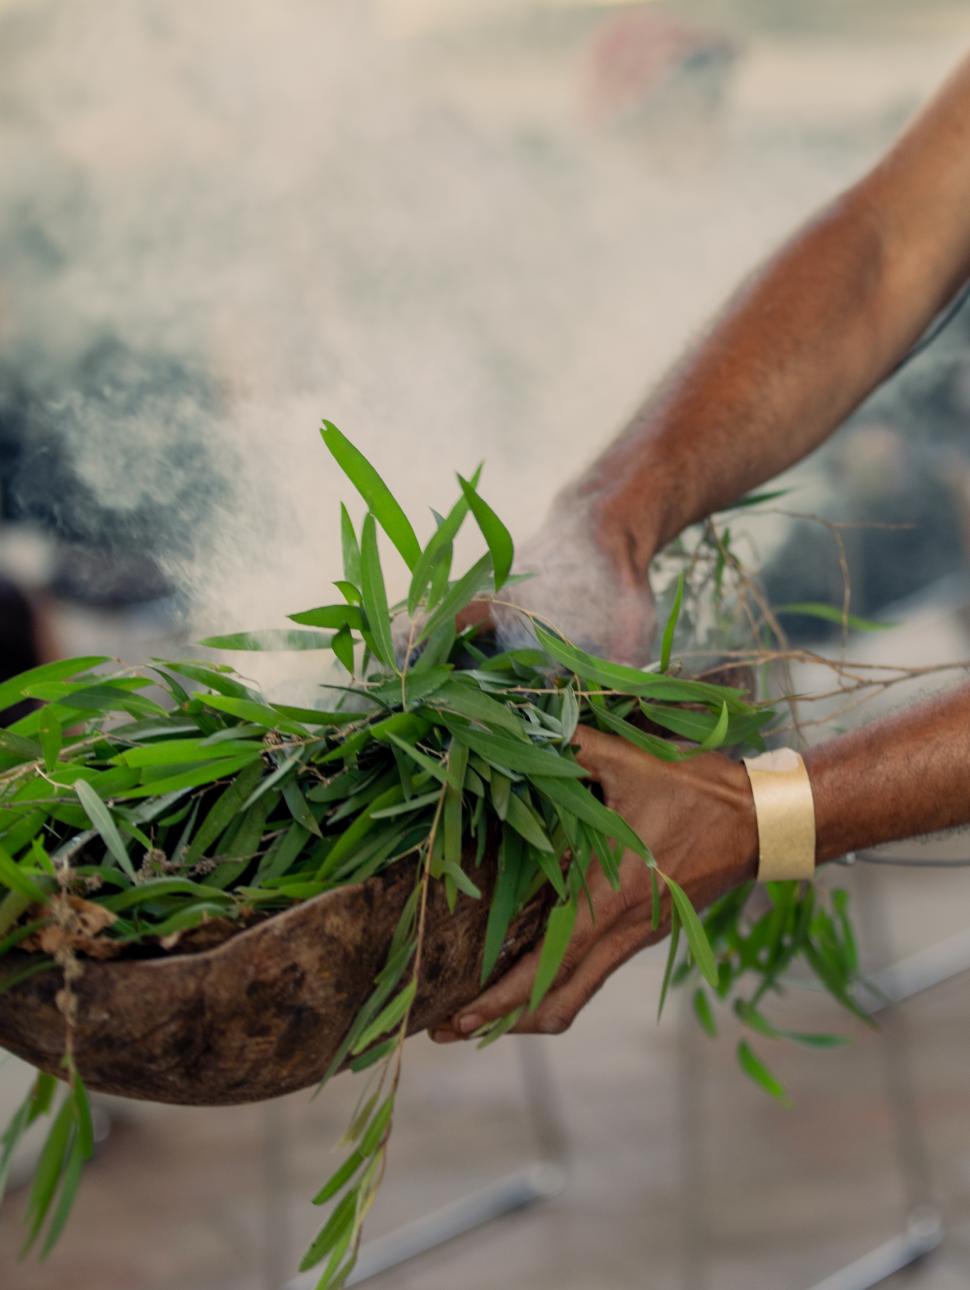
pixel 468 229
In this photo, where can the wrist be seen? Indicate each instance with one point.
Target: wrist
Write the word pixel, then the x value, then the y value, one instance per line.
pixel 727 802
pixel 742 837
pixel 835 834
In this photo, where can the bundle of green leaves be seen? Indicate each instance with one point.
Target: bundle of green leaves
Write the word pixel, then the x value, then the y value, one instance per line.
pixel 177 795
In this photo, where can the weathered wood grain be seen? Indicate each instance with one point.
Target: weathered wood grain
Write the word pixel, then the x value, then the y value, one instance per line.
pixel 262 1014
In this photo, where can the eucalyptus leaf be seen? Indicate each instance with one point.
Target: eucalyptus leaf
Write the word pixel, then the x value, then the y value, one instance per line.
pixel 99 815
pixel 496 535
pixel 374 594
pixel 440 768
pixel 832 614
pixel 378 497
pixel 440 542
pixel 667 642
pixel 559 929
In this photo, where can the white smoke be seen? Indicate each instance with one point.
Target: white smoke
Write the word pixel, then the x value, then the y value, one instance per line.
pixel 423 239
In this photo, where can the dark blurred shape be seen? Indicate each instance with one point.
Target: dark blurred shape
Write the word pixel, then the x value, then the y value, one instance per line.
pixel 108 581
pixel 148 410
pixel 19 643
pixel 902 468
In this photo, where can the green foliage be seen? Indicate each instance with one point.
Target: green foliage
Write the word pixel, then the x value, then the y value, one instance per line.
pixel 832 614
pixel 667 640
pixel 204 798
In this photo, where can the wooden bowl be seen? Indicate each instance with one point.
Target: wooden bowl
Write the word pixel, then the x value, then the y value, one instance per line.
pixel 264 1012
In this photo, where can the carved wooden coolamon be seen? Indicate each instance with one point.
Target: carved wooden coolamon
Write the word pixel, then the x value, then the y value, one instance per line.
pixel 264 1012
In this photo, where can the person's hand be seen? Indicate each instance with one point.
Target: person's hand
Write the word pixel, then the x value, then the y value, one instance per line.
pixel 697 816
pixel 583 583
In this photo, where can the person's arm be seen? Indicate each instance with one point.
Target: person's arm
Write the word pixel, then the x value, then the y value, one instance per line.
pixel 800 345
pixel 903 776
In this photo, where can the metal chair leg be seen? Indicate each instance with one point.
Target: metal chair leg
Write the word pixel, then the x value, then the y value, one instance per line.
pixel 899 981
pixel 922 1234
pixel 542 1179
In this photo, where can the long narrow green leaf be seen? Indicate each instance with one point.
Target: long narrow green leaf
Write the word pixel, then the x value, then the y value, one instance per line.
pixel 260 714
pixel 408 807
pixel 525 822
pixel 339 1178
pixel 503 905
pixel 661 748
pixel 349 548
pixel 183 752
pixel 439 769
pixel 380 501
pixel 459 594
pixel 48 1171
pixel 343 648
pixel 214 678
pixel 70 1182
pixel 388 1019
pixel 330 616
pixel 672 947
pixel 755 499
pixel 99 815
pixel 223 811
pixel 569 714
pixel 704 1013
pixel 717 734
pixel 440 541
pixel 374 594
pixel 555 942
pixel 630 680
pixel 700 946
pixel 19 748
pixel 224 768
pixel 469 701
pixel 832 614
pixel 755 1069
pixel 451 869
pixel 512 754
pixel 671 627
pixel 496 535
pixel 51 738
pixel 14 689
pixel 342 1216
pixel 270 639
pixel 299 808
pixel 494 1030
pixel 17 879
pixel 580 802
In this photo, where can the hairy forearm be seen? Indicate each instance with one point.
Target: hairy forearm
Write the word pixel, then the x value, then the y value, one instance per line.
pixel 896 778
pixel 794 351
pixel 800 345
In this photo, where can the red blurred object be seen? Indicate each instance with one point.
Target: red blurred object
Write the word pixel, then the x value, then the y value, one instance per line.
pixel 647 61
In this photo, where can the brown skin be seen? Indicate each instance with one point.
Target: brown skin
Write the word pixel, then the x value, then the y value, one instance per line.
pixel 660 800
pixel 800 345
pixel 894 779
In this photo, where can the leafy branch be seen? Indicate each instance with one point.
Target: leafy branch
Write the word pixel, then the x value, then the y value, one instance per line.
pixel 141 808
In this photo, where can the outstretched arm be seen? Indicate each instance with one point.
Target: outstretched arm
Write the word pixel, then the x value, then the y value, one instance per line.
pixel 799 346
pixel 897 778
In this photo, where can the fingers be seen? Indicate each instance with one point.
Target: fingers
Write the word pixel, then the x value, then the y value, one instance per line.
pixel 559 1009
pixel 567 998
pixel 514 989
pixel 511 992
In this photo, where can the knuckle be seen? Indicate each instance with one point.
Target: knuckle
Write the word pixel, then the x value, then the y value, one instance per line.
pixel 556 1022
